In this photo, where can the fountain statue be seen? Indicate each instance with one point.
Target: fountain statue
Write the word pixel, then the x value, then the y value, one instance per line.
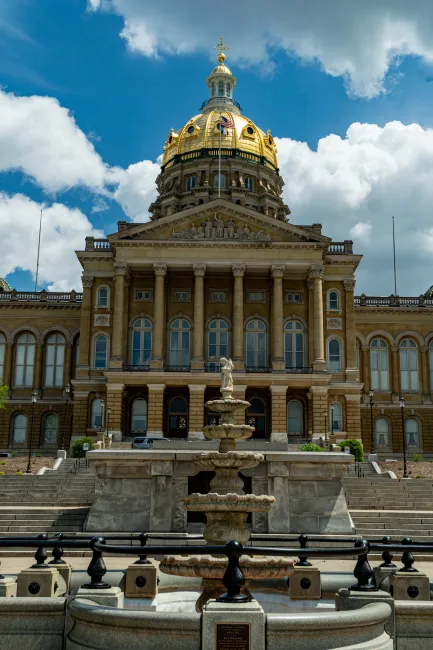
pixel 226 506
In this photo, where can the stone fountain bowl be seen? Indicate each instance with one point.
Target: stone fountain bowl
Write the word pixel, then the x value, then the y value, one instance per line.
pixel 229 502
pixel 233 431
pixel 211 567
pixel 234 460
pixel 227 405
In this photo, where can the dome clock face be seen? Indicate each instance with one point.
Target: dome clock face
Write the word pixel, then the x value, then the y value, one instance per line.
pixel 191 129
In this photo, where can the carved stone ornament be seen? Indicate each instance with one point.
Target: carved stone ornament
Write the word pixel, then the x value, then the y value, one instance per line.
pixel 87 281
pixel 199 269
pixel 102 320
pixel 120 268
pixel 278 270
pixel 238 270
pixel 219 229
pixel 349 285
pixel 334 323
pixel 316 272
pixel 160 268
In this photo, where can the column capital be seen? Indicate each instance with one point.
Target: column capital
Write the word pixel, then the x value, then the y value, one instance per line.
pixel 365 348
pixel 238 270
pixel 160 268
pixel 349 285
pixel 316 272
pixel 87 281
pixel 277 270
pixel 120 268
pixel 199 269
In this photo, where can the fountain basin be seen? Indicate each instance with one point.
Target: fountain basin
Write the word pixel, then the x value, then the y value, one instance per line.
pixel 229 502
pixel 227 405
pixel 211 567
pixel 232 460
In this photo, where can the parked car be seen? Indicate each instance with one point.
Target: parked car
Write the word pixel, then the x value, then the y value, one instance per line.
pixel 144 442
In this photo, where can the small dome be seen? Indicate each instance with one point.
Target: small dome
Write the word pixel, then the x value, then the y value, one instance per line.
pixel 4 286
pixel 221 69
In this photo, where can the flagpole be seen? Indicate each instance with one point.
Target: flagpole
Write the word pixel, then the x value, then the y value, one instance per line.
pixel 393 248
pixel 219 160
pixel 39 250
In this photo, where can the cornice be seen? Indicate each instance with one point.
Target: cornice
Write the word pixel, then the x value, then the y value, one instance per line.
pixel 40 306
pixel 222 243
pixel 427 311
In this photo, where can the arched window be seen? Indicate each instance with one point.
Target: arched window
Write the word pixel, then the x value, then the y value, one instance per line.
pixel 54 360
pixel 24 360
pixel 221 89
pixel 334 355
pixel 411 426
pixel 141 342
pixel 100 351
pixel 256 417
pixel 379 364
pixel 294 344
pixel 336 416
pixel 190 183
pixel 139 415
pixel 228 90
pixel 431 364
pixel 97 414
pixel 255 344
pixel 50 425
pixel 219 181
pixel 178 418
pixel 333 301
pixel 218 340
pixel 180 334
pixel 213 89
pixel 382 432
pixel 248 183
pixel 408 365
pixel 2 357
pixel 103 297
pixel 295 418
pixel 19 429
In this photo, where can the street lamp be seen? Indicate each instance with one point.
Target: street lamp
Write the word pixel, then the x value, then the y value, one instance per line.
pixel 68 391
pixel 29 460
pixel 325 413
pixel 404 437
pixel 370 398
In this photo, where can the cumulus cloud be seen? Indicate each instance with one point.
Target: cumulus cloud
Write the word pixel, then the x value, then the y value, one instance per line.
pixel 40 138
pixel 63 231
pixel 358 41
pixel 354 185
pixel 136 188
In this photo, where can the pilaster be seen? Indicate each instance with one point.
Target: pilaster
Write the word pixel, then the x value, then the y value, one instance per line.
pixel 197 362
pixel 277 317
pixel 115 404
pixel 8 365
pixel 279 413
pixel 81 410
pixel 366 368
pixel 116 359
pixel 196 411
pixel 238 316
pixel 159 326
pixel 68 364
pixel 155 409
pixel 352 372
pixel 316 275
pixel 85 327
pixel 425 387
pixel 353 416
pixel 319 403
pixel 37 379
pixel 395 372
pixel 239 393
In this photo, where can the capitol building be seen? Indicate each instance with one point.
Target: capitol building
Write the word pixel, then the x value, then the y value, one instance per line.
pixel 220 270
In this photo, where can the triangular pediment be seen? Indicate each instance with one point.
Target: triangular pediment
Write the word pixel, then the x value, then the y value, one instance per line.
pixel 218 220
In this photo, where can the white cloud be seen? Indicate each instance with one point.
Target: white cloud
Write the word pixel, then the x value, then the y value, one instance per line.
pixel 136 188
pixel 355 40
pixel 354 185
pixel 63 231
pixel 41 139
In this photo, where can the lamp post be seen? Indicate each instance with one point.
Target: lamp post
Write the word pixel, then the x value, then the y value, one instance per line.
pixel 68 390
pixel 325 413
pixel 29 460
pixel 404 437
pixel 370 399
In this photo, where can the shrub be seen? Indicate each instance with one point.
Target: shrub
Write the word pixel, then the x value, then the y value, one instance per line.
pixel 77 447
pixel 356 448
pixel 1 473
pixel 310 446
pixel 417 458
pixel 4 462
pixel 19 472
pixel 14 453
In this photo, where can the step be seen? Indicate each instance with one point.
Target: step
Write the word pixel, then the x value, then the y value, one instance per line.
pixel 396 525
pixel 34 530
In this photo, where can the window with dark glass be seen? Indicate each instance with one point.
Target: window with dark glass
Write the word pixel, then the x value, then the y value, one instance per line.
pixel 294 344
pixel 141 342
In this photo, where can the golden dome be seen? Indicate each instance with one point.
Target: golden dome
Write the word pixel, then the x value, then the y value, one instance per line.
pixel 201 132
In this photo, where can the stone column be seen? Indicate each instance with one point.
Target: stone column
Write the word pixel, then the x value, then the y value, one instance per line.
pixel 159 327
pixel 155 406
pixel 316 275
pixel 395 372
pixel 310 285
pixel 196 411
pixel 352 372
pixel 38 381
pixel 85 327
pixel 239 393
pixel 425 387
pixel 279 413
pixel 197 362
pixel 366 368
pixel 81 413
pixel 320 406
pixel 238 316
pixel 115 404
pixel 9 365
pixel 116 359
pixel 277 318
pixel 353 416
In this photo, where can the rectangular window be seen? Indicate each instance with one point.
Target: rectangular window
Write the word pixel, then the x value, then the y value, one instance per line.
pixel 217 296
pixel 182 296
pixel 293 297
pixel 144 295
pixel 257 296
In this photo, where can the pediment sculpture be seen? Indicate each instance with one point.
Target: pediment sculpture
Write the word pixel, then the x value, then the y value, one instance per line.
pixel 219 229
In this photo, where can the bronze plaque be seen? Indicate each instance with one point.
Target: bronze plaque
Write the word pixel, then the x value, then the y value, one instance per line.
pixel 232 636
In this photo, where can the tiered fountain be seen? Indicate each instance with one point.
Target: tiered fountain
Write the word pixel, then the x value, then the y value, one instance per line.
pixel 226 506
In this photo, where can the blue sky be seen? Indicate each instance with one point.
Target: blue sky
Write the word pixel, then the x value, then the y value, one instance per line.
pixel 125 102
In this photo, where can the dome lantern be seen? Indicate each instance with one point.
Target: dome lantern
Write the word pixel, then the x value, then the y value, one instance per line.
pixel 221 84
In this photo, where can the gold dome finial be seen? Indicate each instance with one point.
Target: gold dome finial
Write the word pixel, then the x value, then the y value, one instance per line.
pixel 221 47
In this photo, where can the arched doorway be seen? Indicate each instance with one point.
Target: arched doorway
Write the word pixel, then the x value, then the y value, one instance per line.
pixel 257 416
pixel 178 417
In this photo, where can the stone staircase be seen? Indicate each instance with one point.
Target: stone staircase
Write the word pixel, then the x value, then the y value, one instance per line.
pixel 367 469
pixel 382 506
